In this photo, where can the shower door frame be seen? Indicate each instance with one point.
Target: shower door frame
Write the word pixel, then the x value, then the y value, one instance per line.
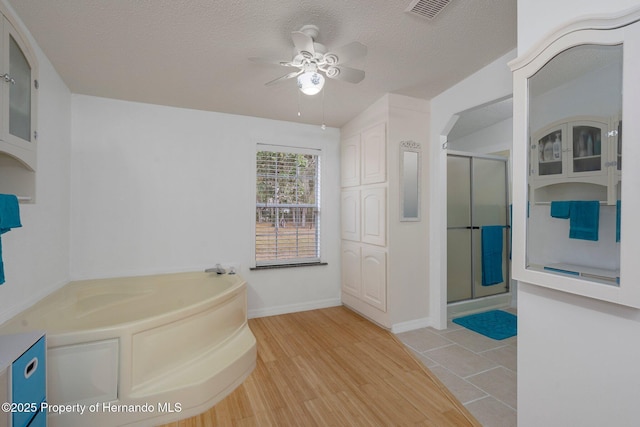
pixel 471 227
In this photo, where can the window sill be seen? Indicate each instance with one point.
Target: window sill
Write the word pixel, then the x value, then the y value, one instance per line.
pixel 271 267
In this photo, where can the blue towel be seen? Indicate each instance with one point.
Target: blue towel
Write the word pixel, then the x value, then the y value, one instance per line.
pixel 9 218
pixel 492 255
pixel 584 220
pixel 618 221
pixel 560 209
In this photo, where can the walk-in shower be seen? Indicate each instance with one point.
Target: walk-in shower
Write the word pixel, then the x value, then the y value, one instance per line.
pixel 478 230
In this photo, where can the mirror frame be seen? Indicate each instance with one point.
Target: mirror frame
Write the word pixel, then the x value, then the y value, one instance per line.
pixel 410 147
pixel 622 29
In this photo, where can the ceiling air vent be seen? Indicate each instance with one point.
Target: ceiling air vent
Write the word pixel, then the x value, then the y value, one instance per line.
pixel 426 8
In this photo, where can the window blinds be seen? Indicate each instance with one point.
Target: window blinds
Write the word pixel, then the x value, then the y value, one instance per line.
pixel 287 208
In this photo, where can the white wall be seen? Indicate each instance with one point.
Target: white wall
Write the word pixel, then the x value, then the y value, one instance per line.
pixel 492 139
pixel 36 256
pixel 577 357
pixel 160 189
pixel 488 84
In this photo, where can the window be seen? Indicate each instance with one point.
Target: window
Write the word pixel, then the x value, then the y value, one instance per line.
pixel 287 206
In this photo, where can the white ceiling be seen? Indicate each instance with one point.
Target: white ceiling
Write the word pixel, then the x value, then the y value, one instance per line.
pixel 193 53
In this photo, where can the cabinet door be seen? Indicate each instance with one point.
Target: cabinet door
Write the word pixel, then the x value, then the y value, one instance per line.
pixel 351 269
pixel 548 152
pixel 589 145
pixel 350 207
pixel 18 90
pixel 374 218
pixel 374 277
pixel 374 158
pixel 350 161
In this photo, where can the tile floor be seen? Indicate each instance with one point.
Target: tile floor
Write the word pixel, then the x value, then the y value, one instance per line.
pixel 479 371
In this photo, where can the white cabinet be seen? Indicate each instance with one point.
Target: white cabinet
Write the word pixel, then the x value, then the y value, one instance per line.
pixel 374 274
pixel 374 218
pixel 363 157
pixel 374 159
pixel 573 159
pixel 350 208
pixel 364 221
pixel 18 84
pixel 351 268
pixel 364 272
pixel 384 256
pixel 350 161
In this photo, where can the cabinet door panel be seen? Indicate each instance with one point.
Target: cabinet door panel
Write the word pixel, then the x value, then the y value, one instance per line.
pixel 374 221
pixel 350 161
pixel 548 152
pixel 351 269
pixel 374 158
pixel 350 207
pixel 374 277
pixel 589 149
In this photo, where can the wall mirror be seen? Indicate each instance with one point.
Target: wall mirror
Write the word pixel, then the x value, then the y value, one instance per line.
pixel 410 170
pixel 575 163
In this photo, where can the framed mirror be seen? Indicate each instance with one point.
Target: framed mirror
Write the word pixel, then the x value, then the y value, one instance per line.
pixel 572 94
pixel 410 170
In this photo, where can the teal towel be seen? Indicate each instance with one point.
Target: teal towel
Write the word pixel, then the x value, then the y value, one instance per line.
pixel 492 255
pixel 584 220
pixel 9 218
pixel 618 221
pixel 560 209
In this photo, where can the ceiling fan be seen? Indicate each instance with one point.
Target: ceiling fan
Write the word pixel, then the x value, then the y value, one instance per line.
pixel 313 60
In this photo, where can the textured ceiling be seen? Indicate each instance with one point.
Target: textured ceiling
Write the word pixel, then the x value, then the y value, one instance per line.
pixel 193 53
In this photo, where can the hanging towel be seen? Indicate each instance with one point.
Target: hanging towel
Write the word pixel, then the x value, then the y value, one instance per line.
pixel 618 221
pixel 9 218
pixel 560 209
pixel 492 255
pixel 584 220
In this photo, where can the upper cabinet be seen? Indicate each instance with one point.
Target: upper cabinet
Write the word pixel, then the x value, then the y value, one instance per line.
pixel 363 157
pixel 573 218
pixel 18 87
pixel 573 158
pixel 374 159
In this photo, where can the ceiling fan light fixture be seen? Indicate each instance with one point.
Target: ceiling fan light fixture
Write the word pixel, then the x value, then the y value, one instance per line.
pixel 310 82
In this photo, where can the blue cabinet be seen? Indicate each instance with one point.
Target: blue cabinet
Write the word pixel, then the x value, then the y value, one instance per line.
pixel 23 381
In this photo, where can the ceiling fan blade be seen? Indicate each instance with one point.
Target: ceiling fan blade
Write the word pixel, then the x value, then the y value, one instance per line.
pixel 346 53
pixel 303 44
pixel 346 74
pixel 269 61
pixel 283 78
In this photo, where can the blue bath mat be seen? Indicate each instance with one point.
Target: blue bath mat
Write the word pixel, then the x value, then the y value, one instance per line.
pixel 496 324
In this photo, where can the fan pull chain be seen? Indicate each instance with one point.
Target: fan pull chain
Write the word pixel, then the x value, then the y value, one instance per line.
pixel 299 114
pixel 323 127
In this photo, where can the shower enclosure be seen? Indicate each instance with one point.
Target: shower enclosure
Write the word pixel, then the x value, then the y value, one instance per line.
pixel 477 197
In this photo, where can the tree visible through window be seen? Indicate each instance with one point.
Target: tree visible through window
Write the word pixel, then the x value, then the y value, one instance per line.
pixel 287 208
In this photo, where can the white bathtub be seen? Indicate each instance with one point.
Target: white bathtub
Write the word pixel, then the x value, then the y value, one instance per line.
pixel 142 350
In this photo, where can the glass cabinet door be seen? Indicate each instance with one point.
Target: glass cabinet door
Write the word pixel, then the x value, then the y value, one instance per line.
pixel 18 89
pixel 549 152
pixel 19 92
pixel 587 153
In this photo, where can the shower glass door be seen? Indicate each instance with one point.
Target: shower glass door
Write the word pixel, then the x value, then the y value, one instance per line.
pixel 476 197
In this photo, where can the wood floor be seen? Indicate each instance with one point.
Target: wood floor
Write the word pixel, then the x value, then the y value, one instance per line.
pixel 331 367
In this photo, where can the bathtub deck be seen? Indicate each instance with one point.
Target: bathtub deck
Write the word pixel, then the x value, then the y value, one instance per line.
pixel 332 367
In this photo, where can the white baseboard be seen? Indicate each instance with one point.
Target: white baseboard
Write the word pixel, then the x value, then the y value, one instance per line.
pixel 293 308
pixel 398 328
